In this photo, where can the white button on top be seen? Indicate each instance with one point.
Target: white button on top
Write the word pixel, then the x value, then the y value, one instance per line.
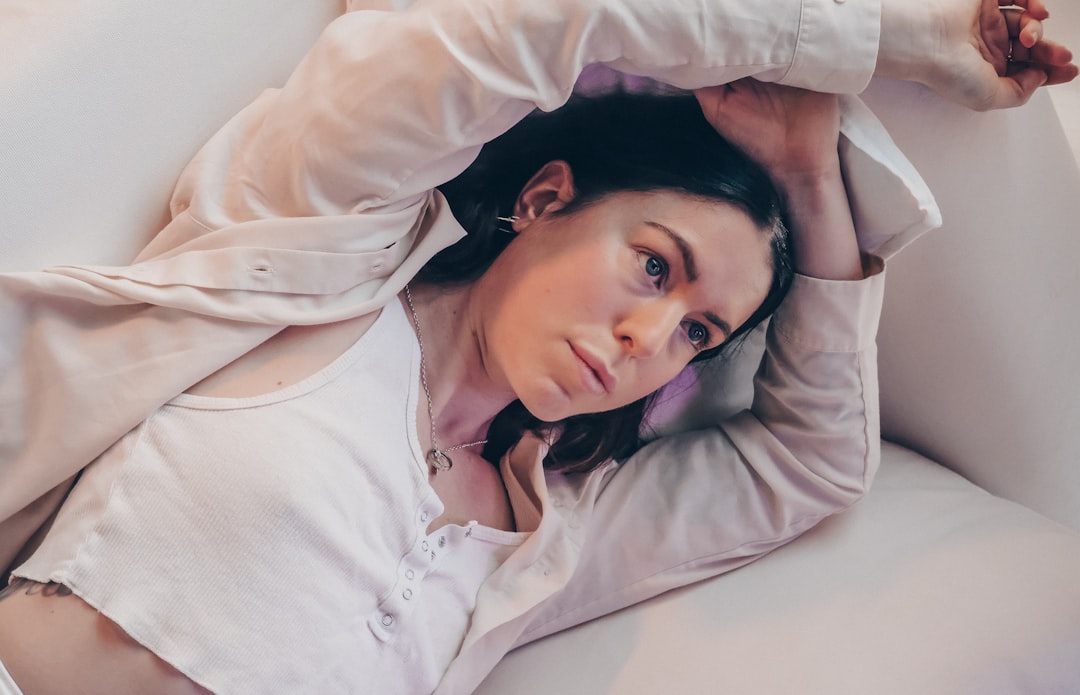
pixel 409 574
pixel 442 541
pixel 387 620
pixel 407 594
pixel 424 546
pixel 423 516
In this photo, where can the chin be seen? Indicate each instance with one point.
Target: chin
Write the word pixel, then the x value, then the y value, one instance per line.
pixel 546 412
pixel 551 409
pixel 548 403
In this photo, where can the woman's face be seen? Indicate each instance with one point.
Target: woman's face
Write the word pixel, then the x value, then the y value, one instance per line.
pixel 590 311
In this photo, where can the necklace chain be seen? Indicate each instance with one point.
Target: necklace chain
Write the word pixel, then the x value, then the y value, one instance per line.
pixel 436 458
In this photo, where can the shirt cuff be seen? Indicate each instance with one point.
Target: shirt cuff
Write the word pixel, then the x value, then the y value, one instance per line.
pixel 833 315
pixel 837 46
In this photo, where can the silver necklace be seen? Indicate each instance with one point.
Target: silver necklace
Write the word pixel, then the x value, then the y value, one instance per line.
pixel 436 458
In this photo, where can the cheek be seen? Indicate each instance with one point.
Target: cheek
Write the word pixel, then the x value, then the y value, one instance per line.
pixel 562 291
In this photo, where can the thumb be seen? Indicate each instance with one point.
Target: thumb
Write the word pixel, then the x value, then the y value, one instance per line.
pixel 1011 91
pixel 1027 81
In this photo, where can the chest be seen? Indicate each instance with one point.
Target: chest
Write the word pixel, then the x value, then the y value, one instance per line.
pixel 473 490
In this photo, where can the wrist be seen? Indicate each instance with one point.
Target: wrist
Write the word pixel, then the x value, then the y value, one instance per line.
pixel 810 183
pixel 823 233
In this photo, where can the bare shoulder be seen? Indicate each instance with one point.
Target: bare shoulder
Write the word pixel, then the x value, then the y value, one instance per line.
pixel 291 356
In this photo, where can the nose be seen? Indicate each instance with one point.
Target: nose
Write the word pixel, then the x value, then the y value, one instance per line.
pixel 646 330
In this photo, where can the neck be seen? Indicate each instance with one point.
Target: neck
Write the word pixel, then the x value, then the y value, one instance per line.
pixel 464 399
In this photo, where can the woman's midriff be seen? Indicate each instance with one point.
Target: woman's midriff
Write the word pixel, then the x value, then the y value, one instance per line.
pixel 53 642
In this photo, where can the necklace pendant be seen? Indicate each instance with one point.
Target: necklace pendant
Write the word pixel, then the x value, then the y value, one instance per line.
pixel 439 461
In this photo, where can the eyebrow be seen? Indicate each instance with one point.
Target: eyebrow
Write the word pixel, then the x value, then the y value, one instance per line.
pixel 685 251
pixel 690 265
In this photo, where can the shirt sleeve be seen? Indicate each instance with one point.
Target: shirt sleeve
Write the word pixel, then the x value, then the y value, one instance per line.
pixel 388 105
pixel 695 505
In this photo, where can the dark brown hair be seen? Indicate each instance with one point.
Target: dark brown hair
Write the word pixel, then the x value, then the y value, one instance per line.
pixel 615 142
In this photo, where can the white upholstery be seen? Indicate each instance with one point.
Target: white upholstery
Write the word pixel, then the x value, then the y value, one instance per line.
pixel 103 101
pixel 927 586
pixel 978 335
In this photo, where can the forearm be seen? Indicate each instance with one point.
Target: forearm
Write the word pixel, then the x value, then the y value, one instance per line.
pixel 822 229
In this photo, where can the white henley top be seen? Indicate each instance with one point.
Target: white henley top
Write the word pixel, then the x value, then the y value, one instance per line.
pixel 321 575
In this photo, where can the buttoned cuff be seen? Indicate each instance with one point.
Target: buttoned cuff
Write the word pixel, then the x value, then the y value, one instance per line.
pixel 837 46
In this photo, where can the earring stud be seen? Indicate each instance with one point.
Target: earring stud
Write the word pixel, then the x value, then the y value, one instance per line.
pixel 510 221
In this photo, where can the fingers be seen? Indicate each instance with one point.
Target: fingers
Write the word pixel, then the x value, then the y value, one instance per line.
pixel 1045 63
pixel 1049 54
pixel 1060 74
pixel 1027 29
pixel 1028 51
pixel 1052 58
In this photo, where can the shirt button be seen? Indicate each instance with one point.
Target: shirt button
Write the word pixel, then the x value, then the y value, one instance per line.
pixel 409 574
pixel 423 516
pixel 424 546
pixel 387 620
pixel 407 594
pixel 442 541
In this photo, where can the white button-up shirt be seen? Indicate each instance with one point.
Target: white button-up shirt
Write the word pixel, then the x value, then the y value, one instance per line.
pixel 316 204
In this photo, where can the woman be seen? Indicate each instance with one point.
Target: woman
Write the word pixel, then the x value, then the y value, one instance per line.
pixel 546 552
pixel 681 255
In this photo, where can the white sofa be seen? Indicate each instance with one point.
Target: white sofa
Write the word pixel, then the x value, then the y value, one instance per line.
pixel 960 570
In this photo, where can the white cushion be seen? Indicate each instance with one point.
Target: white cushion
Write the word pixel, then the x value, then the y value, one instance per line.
pixel 979 333
pixel 104 102
pixel 929 585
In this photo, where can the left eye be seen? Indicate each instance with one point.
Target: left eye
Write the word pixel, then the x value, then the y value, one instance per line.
pixel 698 334
pixel 655 267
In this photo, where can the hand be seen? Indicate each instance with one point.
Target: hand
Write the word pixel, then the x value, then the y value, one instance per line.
pixel 960 48
pixel 794 134
pixel 791 132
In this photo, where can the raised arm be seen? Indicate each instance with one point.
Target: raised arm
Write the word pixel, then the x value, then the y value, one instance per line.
pixel 702 503
pixel 388 105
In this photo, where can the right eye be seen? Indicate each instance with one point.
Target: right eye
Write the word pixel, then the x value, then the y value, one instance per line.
pixel 654 266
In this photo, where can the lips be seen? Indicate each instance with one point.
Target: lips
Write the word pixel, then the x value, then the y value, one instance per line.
pixel 594 373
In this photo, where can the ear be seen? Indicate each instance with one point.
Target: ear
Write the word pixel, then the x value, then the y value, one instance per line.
pixel 549 190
